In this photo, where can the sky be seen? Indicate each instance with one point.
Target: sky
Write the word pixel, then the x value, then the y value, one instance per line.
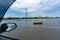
pixel 35 8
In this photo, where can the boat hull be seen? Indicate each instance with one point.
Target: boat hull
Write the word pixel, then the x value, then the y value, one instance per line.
pixel 37 22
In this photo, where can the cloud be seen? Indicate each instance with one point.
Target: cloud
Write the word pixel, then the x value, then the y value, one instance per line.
pixel 50 6
pixel 36 7
pixel 25 3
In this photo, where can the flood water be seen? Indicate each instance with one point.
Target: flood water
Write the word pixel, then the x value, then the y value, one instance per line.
pixel 49 30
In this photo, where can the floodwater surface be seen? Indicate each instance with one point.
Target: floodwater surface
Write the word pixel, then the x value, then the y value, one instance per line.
pixel 49 30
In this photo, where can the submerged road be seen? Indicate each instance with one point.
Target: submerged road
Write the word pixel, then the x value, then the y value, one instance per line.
pixel 35 32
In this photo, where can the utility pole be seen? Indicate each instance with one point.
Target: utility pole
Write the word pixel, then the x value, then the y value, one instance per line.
pixel 26 15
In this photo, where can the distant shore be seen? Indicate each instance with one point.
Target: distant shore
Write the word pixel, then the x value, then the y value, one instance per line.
pixel 31 18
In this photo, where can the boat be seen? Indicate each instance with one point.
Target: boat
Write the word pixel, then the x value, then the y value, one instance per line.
pixel 37 23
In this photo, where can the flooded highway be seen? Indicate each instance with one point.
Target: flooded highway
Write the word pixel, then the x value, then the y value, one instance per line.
pixel 49 30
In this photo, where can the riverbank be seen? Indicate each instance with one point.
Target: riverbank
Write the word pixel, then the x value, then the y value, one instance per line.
pixel 8 18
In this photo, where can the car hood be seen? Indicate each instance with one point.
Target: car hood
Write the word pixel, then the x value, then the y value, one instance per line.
pixel 4 5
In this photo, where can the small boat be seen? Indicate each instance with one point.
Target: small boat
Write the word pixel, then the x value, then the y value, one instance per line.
pixel 37 22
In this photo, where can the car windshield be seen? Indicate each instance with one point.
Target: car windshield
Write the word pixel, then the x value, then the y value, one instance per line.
pixel 35 19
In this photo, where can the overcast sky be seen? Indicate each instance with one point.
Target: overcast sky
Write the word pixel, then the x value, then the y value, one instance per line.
pixel 34 8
